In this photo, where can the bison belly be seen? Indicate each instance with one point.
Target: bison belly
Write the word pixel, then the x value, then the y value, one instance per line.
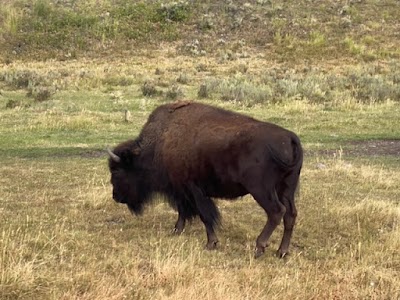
pixel 216 189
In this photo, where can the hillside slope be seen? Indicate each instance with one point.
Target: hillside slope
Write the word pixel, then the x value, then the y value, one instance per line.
pixel 284 30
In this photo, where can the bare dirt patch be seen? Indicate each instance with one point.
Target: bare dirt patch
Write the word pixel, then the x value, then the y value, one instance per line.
pixel 93 154
pixel 363 148
pixel 374 148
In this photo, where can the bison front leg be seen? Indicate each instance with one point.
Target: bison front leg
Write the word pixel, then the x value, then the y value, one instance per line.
pixel 212 239
pixel 180 224
pixel 208 213
pixel 185 212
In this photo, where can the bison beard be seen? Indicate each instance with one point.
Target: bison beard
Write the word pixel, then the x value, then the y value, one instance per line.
pixel 191 153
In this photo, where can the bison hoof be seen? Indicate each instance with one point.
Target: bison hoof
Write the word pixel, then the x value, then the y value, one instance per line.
pixel 281 254
pixel 177 231
pixel 211 245
pixel 259 252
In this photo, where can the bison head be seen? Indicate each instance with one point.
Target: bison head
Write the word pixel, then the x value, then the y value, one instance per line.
pixel 127 176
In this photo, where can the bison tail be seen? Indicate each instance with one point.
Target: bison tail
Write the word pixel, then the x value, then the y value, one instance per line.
pixel 297 151
pixel 297 159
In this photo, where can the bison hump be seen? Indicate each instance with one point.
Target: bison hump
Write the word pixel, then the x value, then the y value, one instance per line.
pixel 176 105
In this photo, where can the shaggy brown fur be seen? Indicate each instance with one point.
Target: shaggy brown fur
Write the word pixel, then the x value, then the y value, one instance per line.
pixel 192 152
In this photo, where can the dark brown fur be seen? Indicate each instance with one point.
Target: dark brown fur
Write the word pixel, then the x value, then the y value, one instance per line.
pixel 193 152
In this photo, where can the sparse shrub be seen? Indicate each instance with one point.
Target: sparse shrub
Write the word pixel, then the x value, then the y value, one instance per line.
pixel 10 18
pixel 116 96
pixel 40 93
pixel 41 8
pixel 118 81
pixel 194 48
pixel 209 88
pixel 206 22
pixel 238 89
pixel 203 91
pixel 353 47
pixel 201 67
pixel 227 55
pixel 26 79
pixel 345 22
pixel 365 85
pixel 285 43
pixel 394 72
pixel 38 86
pixel 183 78
pixel 369 55
pixel 231 92
pixel 286 88
pixel 149 89
pixel 13 103
pixel 240 68
pixel 369 40
pixel 314 89
pixel 176 11
pixel 246 92
pixel 317 39
pixel 20 78
pixel 367 88
pixel 174 93
pixel 158 71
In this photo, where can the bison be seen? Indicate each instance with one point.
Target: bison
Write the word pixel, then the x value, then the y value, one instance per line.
pixel 191 153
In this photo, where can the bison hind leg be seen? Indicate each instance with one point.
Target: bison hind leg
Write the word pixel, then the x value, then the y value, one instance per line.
pixel 275 210
pixel 286 194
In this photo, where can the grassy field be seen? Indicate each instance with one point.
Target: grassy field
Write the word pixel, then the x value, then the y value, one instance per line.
pixel 63 237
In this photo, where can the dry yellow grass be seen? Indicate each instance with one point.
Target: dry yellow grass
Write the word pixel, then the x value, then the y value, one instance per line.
pixel 63 237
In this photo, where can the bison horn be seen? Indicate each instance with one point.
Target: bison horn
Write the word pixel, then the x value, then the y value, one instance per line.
pixel 113 156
